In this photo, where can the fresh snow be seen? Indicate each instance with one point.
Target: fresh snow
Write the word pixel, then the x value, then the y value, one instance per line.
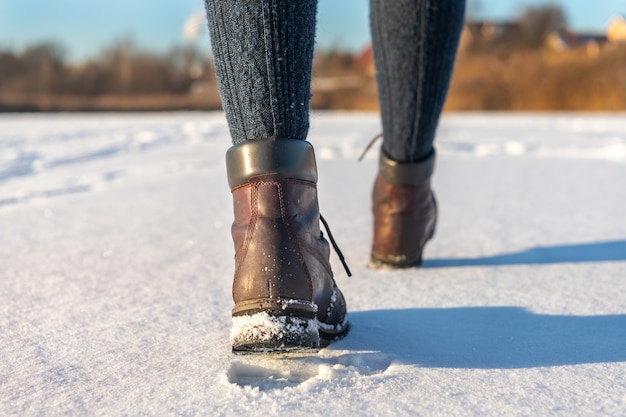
pixel 117 263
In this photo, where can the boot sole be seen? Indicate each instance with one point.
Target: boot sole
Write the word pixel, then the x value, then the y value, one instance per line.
pixel 377 263
pixel 329 334
pixel 281 326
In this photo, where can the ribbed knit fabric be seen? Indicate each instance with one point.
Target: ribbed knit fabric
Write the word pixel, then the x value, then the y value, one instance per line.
pixel 414 44
pixel 263 53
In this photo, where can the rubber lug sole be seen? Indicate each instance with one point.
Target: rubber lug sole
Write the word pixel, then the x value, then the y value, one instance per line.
pixel 281 326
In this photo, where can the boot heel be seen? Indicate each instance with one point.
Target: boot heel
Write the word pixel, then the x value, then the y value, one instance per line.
pixel 269 325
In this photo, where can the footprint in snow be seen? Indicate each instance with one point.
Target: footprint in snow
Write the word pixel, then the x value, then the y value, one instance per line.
pixel 269 372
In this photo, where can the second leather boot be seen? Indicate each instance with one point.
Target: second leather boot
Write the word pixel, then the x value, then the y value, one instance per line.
pixel 405 212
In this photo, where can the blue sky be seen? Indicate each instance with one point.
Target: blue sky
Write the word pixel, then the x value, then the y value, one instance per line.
pixel 84 27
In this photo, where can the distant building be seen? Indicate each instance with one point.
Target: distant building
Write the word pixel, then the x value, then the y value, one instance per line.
pixel 563 39
pixel 616 30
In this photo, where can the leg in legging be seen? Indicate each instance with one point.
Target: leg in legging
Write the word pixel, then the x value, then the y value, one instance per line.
pixel 414 44
pixel 263 52
pixel 284 292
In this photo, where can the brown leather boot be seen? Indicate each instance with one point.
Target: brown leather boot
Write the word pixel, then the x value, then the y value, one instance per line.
pixel 284 292
pixel 405 212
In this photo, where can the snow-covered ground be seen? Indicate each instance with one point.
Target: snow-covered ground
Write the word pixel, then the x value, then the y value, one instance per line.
pixel 116 266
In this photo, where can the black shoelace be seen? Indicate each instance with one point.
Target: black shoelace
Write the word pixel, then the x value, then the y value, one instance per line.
pixel 369 145
pixel 337 250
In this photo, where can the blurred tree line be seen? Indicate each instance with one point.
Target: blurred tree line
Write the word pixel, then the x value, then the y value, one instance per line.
pixel 121 69
pixel 531 63
pixel 529 31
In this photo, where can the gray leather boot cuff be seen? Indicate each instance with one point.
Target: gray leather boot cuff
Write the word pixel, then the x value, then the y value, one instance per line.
pixel 291 158
pixel 411 173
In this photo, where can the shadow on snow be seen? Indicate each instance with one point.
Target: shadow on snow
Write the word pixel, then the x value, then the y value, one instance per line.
pixel 488 337
pixel 610 251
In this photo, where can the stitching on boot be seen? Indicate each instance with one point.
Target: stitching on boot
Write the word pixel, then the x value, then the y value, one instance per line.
pixel 311 251
pixel 254 213
pixel 292 236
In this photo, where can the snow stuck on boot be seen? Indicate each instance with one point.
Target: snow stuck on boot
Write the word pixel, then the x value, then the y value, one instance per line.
pixel 262 332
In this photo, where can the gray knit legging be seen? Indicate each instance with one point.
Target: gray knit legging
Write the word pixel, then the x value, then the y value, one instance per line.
pixel 263 53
